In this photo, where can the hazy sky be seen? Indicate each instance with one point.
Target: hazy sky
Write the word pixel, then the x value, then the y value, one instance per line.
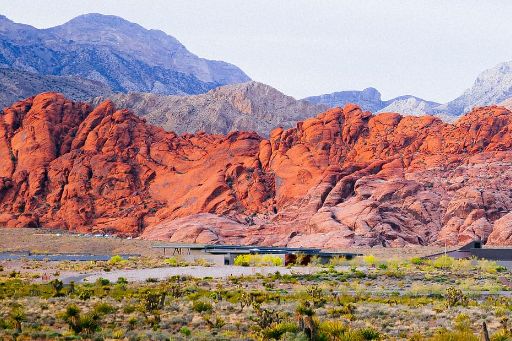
pixel 431 49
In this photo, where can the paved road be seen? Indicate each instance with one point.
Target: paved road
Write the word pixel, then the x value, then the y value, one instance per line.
pixel 140 275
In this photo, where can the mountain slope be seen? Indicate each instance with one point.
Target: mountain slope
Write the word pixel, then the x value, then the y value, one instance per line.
pixel 248 106
pixel 123 55
pixel 492 86
pixel 16 85
pixel 409 105
pixel 153 47
pixel 370 99
pixel 343 178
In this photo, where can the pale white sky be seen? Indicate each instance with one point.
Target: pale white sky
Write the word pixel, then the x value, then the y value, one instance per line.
pixel 432 49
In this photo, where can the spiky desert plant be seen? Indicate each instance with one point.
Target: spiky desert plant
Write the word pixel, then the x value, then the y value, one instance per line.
pixel 72 317
pixel 17 316
pixel 57 286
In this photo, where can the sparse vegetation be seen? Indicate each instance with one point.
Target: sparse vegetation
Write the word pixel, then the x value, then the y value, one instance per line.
pixel 367 298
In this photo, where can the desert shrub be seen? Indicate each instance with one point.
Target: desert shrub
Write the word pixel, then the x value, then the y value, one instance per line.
pixel 118 334
pixel 114 260
pixel 462 322
pixel 333 329
pixel 104 308
pixel 279 329
pixel 455 297
pixel 417 261
pixel 85 294
pixel 488 266
pixel 463 265
pixel 443 262
pixel 304 308
pixel 315 260
pixel 122 280
pixel 502 335
pixel 382 266
pixel 454 335
pixel 185 331
pixel 272 260
pixel 102 281
pixel 368 334
pixel 57 286
pixel 201 306
pixel 242 260
pixel 89 323
pixel 17 316
pixel 202 262
pixel 153 300
pixel 81 324
pixel 337 261
pixel 258 260
pixel 171 261
pixel 128 309
pixel 370 260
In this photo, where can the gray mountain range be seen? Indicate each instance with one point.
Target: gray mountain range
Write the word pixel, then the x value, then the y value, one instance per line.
pixel 99 56
pixel 370 99
pixel 492 86
pixel 248 106
pixel 123 55
pixel 16 85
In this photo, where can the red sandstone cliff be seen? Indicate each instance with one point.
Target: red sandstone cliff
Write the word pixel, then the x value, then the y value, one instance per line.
pixel 344 178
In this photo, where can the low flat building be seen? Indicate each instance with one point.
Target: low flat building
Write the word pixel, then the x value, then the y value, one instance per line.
pixel 230 252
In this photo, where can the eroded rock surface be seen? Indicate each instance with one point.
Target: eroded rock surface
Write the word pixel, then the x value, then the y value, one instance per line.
pixel 344 178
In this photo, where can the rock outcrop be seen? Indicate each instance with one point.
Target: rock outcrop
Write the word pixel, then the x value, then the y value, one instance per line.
pixel 344 178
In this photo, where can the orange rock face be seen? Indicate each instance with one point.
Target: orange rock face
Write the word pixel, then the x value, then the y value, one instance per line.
pixel 344 178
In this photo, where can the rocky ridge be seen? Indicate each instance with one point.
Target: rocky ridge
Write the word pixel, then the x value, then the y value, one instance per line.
pixel 250 106
pixel 492 86
pixel 108 49
pixel 370 99
pixel 16 85
pixel 344 178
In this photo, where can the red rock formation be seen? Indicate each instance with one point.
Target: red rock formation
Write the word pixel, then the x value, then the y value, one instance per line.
pixel 344 178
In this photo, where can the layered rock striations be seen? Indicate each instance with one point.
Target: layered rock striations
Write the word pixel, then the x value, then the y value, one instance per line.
pixel 344 178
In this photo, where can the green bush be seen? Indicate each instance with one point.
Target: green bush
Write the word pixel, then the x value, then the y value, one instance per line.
pixel 417 261
pixel 370 260
pixel 202 306
pixel 258 260
pixel 369 334
pixel 171 261
pixel 115 260
pixel 277 330
pixel 443 262
pixel 185 331
pixel 334 329
pixel 103 308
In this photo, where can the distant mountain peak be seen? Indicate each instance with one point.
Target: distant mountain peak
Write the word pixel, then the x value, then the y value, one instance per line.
pixel 492 86
pixel 107 48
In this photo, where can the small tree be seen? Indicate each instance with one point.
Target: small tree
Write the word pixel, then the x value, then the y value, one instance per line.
pixel 72 317
pixel 57 287
pixel 17 316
